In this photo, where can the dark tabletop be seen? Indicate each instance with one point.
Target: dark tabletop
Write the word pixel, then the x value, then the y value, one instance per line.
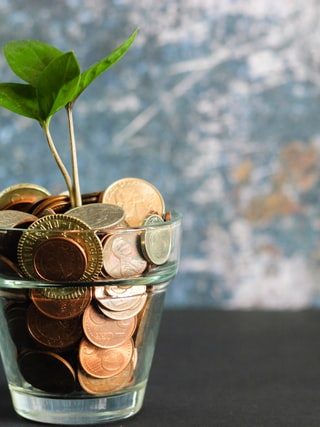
pixel 218 368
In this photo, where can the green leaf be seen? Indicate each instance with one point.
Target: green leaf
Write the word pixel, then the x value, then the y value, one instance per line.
pixel 19 98
pixel 99 67
pixel 28 58
pixel 57 84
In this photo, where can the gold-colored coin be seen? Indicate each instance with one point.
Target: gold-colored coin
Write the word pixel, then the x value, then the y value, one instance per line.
pixel 156 241
pixel 64 293
pixel 137 197
pixel 22 192
pixel 52 226
pixel 99 216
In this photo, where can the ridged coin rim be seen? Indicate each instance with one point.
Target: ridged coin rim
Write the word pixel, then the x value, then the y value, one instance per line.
pixel 30 239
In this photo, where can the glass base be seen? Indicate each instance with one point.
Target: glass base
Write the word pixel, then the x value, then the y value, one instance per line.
pixel 91 410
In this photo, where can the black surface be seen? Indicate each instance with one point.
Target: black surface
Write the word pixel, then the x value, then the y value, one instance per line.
pixel 216 368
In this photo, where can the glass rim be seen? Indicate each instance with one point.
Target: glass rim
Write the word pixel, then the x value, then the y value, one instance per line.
pixel 175 221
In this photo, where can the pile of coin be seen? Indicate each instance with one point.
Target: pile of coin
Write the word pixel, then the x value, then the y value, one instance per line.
pixel 43 238
pixel 78 338
pixel 73 338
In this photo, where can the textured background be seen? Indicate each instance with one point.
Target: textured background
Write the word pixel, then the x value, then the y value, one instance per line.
pixel 217 104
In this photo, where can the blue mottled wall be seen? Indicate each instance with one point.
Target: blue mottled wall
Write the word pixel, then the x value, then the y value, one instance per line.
pixel 218 105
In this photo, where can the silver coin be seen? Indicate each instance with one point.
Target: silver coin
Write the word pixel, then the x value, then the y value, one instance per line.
pixel 156 241
pixel 11 218
pixel 99 216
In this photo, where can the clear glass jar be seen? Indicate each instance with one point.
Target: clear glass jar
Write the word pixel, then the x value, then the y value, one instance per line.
pixel 80 352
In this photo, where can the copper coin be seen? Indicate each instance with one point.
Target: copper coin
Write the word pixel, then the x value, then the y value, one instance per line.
pixel 149 311
pixel 60 308
pixel 125 314
pixel 58 204
pixel 102 362
pixel 134 362
pixel 42 202
pixel 118 304
pixel 104 332
pixel 125 291
pixel 37 203
pixel 94 385
pixel 167 216
pixel 47 371
pixel 59 259
pixel 21 194
pixel 47 202
pixel 60 207
pixel 57 335
pixel 46 212
pixel 136 197
pixel 135 358
pixel 21 205
pixel 103 235
pixel 121 258
pixel 115 304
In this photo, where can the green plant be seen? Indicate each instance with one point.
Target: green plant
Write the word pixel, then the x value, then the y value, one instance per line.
pixel 53 81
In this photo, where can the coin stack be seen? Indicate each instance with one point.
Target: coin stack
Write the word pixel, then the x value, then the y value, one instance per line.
pixel 87 337
pixel 74 338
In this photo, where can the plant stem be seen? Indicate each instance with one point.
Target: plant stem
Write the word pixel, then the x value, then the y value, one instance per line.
pixel 57 158
pixel 74 161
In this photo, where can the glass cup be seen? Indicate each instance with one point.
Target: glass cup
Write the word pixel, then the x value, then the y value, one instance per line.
pixel 80 351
